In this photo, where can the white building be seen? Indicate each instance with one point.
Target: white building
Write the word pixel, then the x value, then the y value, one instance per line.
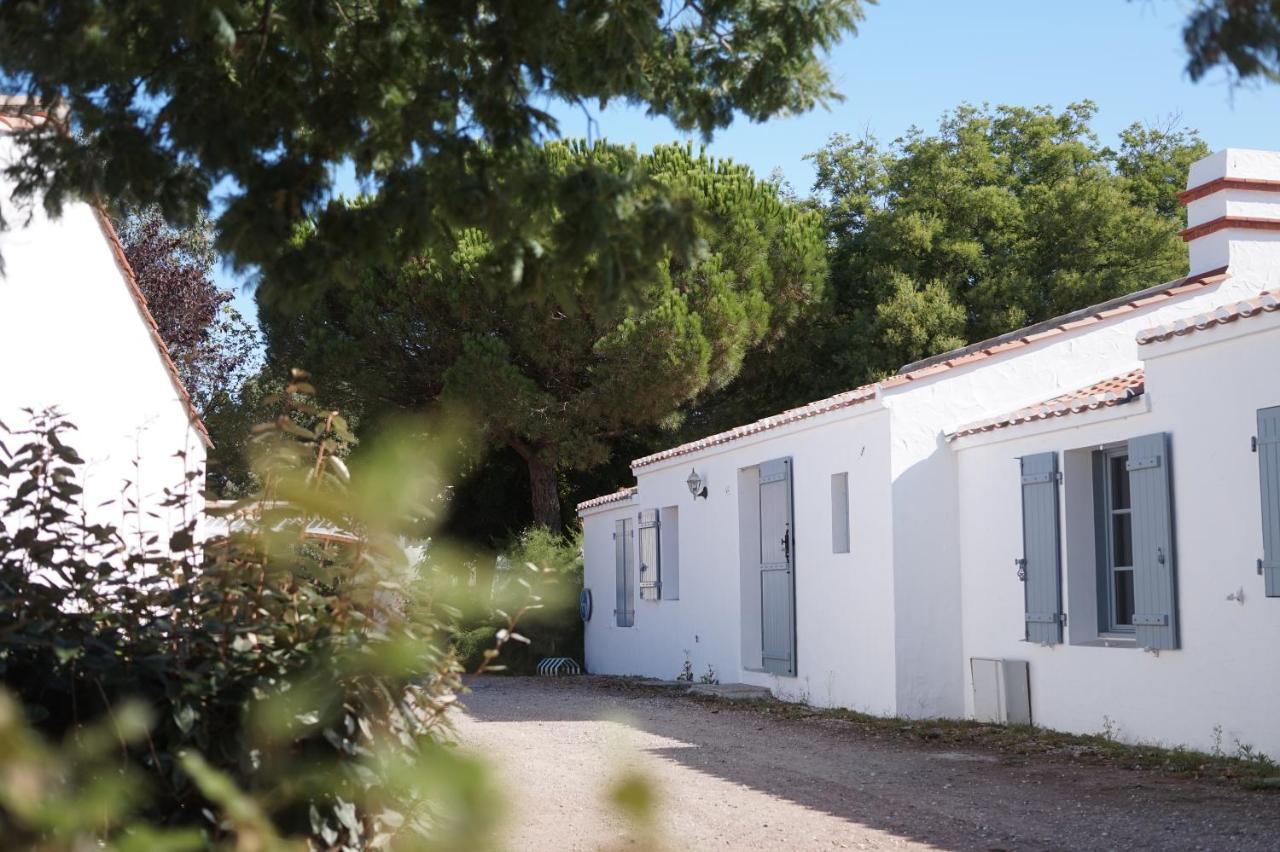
pixel 868 550
pixel 76 334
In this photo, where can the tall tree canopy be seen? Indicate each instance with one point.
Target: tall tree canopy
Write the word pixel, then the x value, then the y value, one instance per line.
pixel 1005 216
pixel 557 380
pixel 438 107
pixel 213 346
pixel 1241 36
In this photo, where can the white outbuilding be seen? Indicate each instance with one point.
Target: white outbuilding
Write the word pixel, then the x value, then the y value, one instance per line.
pixel 76 335
pixel 1075 524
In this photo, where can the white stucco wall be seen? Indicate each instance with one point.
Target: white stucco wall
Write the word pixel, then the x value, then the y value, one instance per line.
pixel 843 601
pixel 1243 249
pixel 1227 671
pixel 932 581
pixel 71 336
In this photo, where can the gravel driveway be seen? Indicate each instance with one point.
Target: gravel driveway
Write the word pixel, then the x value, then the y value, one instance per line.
pixel 738 779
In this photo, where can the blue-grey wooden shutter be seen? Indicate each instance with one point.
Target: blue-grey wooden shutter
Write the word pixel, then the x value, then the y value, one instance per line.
pixel 1041 549
pixel 650 556
pixel 1269 476
pixel 777 578
pixel 624 611
pixel 1155 597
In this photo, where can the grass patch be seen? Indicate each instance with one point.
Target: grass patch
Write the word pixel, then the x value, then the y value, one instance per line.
pixel 1015 743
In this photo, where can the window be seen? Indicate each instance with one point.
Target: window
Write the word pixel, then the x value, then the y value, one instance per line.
pixel 1119 543
pixel 840 513
pixel 669 552
pixel 1115 540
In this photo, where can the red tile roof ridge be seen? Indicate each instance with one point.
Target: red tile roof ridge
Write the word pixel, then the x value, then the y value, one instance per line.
pixel 846 399
pixel 140 301
pixel 1267 301
pixel 1073 320
pixel 1112 391
pixel 971 353
pixel 603 500
pixel 21 114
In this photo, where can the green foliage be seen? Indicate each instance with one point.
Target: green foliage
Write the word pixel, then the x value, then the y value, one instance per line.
pixel 1003 217
pixel 437 107
pixel 1242 37
pixel 559 380
pixel 269 686
pixel 469 646
pixel 538 560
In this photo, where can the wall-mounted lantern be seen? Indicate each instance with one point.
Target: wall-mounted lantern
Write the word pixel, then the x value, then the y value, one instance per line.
pixel 696 486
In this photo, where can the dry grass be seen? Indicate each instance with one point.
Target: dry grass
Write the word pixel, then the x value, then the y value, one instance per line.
pixel 1236 764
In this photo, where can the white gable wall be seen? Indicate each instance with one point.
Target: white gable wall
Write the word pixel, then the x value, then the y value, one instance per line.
pixel 843 601
pixel 942 587
pixel 1226 672
pixel 72 336
pixel 927 520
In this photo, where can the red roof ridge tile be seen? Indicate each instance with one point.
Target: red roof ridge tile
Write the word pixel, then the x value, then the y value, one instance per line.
pixel 971 353
pixel 1210 187
pixel 140 301
pixel 19 114
pixel 603 500
pixel 1267 301
pixel 1248 223
pixel 1109 392
pixel 847 399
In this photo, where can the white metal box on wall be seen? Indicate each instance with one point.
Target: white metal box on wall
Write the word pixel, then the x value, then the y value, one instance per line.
pixel 1001 691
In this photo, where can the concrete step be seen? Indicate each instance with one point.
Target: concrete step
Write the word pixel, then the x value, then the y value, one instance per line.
pixel 731 691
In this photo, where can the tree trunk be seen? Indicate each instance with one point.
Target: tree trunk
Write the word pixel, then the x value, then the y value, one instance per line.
pixel 545 491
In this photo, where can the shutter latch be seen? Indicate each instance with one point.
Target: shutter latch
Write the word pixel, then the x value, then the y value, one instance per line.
pixel 1253 444
pixel 1022 569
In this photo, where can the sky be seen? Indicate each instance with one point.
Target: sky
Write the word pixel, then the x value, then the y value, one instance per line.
pixel 913 60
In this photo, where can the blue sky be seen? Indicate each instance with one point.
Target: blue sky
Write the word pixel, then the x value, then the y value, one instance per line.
pixel 912 60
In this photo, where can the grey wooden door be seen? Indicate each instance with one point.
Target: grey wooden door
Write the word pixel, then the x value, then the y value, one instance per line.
pixel 777 569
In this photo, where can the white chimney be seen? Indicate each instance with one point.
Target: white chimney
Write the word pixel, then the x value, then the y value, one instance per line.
pixel 1233 213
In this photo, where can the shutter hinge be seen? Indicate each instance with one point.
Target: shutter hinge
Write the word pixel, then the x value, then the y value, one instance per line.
pixel 1142 463
pixel 1145 620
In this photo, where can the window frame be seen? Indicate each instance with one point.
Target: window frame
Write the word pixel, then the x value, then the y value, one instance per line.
pixel 841 521
pixel 1104 536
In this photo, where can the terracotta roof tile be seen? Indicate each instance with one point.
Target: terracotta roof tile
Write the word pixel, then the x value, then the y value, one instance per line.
pixel 969 354
pixel 804 412
pixel 1108 392
pixel 131 281
pixel 1076 319
pixel 15 116
pixel 616 497
pixel 1250 184
pixel 1266 302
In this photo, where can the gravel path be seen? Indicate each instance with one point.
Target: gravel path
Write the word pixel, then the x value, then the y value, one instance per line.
pixel 738 779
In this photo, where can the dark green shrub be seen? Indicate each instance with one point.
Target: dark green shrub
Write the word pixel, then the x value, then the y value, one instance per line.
pixel 270 684
pixel 469 646
pixel 549 566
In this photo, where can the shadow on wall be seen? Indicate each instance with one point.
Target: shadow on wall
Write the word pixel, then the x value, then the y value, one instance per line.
pixel 928 639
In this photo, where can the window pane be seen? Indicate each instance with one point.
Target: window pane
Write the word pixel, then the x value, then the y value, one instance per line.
pixel 840 513
pixel 1122 540
pixel 1124 598
pixel 1119 483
